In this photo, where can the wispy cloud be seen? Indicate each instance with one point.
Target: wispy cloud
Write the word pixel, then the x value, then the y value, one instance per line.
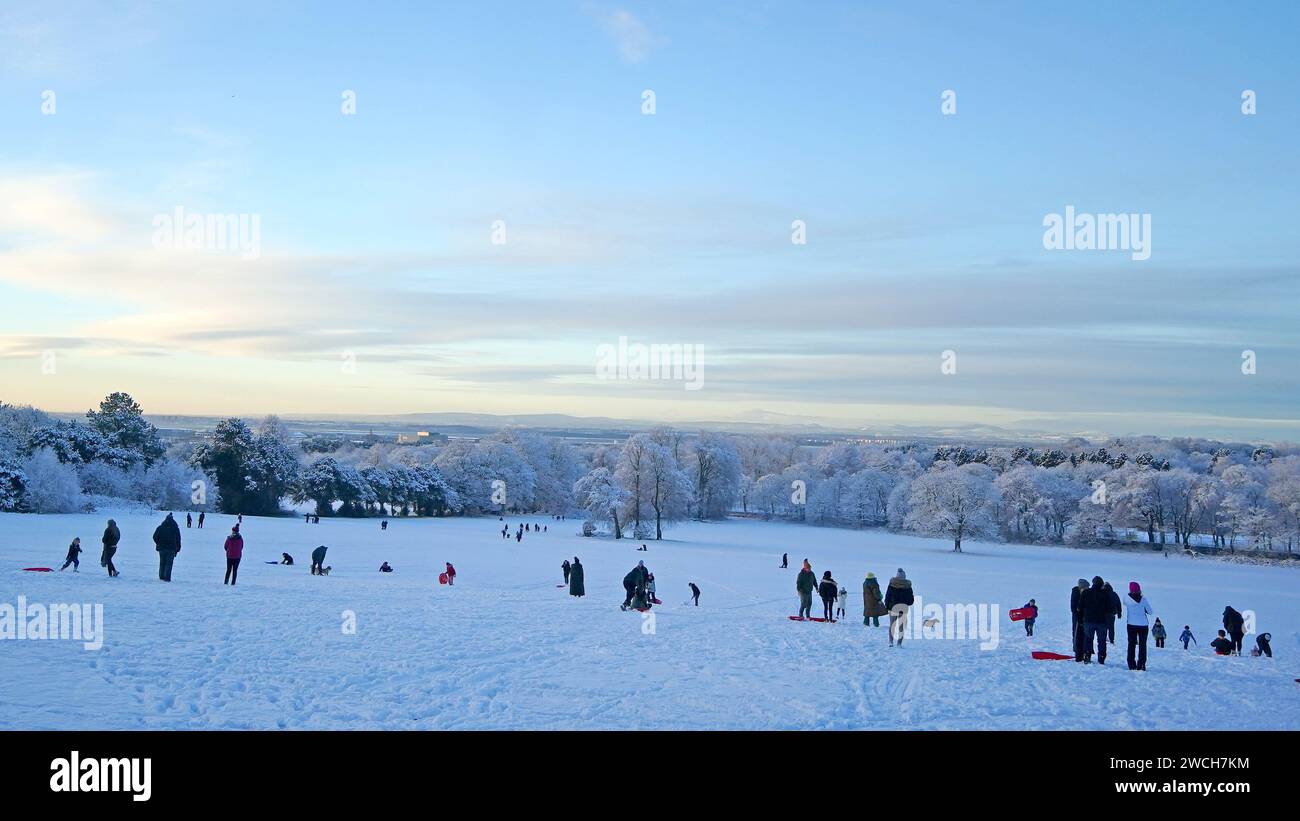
pixel 634 39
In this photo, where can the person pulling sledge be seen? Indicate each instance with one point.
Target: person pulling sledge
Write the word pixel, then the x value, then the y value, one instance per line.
pixel 72 558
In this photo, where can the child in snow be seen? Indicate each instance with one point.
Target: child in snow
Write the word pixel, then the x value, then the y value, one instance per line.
pixel 1222 645
pixel 650 589
pixel 844 599
pixel 451 574
pixel 385 568
pixel 285 558
pixel 565 567
pixel 1263 646
pixel 1032 607
pixel 1158 633
pixel 73 550
pixel 695 593
pixel 1187 636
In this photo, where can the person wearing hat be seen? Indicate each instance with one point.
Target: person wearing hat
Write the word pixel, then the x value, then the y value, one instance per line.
pixel 1138 609
pixel 167 541
pixel 897 599
pixel 234 552
pixel 633 582
pixel 873 602
pixel 804 584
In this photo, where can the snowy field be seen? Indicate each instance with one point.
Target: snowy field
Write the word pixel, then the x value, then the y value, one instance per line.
pixel 506 648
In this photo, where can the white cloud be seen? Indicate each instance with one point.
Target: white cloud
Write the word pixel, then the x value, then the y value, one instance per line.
pixel 633 37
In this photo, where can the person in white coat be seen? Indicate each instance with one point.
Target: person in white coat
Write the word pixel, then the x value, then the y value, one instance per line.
pixel 1137 607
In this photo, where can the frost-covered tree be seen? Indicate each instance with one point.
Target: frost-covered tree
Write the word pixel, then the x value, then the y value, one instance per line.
pixel 954 501
pixel 600 494
pixel 13 486
pixel 52 487
pixel 714 469
pixel 121 422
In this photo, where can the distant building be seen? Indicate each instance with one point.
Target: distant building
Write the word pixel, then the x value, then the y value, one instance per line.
pixel 422 437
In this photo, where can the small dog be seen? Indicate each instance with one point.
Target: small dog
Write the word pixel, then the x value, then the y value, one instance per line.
pixel 325 571
pixel 930 622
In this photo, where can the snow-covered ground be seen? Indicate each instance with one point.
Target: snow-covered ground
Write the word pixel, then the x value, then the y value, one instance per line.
pixel 506 648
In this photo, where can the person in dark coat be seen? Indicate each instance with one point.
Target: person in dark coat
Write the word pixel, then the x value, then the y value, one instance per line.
pixel 829 590
pixel 873 601
pixel 576 573
pixel 201 516
pixel 1235 624
pixel 1032 607
pixel 1076 624
pixel 898 597
pixel 1158 633
pixel 385 568
pixel 634 580
pixel 785 560
pixel 1095 609
pixel 1222 645
pixel 318 559
pixel 1117 610
pixel 110 539
pixel 234 552
pixel 565 567
pixel 72 558
pixel 285 558
pixel 803 585
pixel 189 521
pixel 1263 645
pixel 695 595
pixel 167 541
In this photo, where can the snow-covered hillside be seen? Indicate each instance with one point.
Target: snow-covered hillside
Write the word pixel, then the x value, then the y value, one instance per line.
pixel 506 648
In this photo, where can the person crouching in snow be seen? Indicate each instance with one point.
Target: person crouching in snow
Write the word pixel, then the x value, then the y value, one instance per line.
pixel 1031 616
pixel 451 574
pixel 285 558
pixel 1158 633
pixel 73 550
pixel 829 590
pixel 1186 635
pixel 385 568
pixel 234 552
pixel 1263 645
pixel 898 598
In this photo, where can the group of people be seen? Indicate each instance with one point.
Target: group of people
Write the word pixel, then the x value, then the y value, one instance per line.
pixel 189 519
pixel 524 527
pixel 639 585
pixel 574 577
pixel 893 602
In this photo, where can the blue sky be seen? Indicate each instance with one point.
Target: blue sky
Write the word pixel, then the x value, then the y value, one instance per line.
pixel 924 230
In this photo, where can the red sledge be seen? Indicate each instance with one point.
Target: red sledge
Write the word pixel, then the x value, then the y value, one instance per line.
pixel 1021 613
pixel 39 569
pixel 442 578
pixel 1043 655
pixel 801 618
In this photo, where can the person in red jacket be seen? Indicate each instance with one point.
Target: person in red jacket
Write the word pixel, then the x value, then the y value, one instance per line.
pixel 234 552
pixel 451 574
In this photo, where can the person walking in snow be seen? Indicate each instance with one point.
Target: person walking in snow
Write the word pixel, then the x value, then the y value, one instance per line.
pixel 804 584
pixel 1031 607
pixel 73 550
pixel 383 525
pixel 1138 609
pixel 189 521
pixel 1095 609
pixel 873 602
pixel 167 541
pixel 1158 633
pixel 565 567
pixel 1076 620
pixel 451 574
pixel 843 601
pixel 201 515
pixel 829 590
pixel 318 559
pixel 1235 624
pixel 785 560
pixel 1117 610
pixel 695 593
pixel 898 597
pixel 234 552
pixel 1187 636
pixel 576 587
pixel 110 539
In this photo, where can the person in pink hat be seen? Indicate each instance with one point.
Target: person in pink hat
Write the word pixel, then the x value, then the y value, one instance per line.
pixel 1138 610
